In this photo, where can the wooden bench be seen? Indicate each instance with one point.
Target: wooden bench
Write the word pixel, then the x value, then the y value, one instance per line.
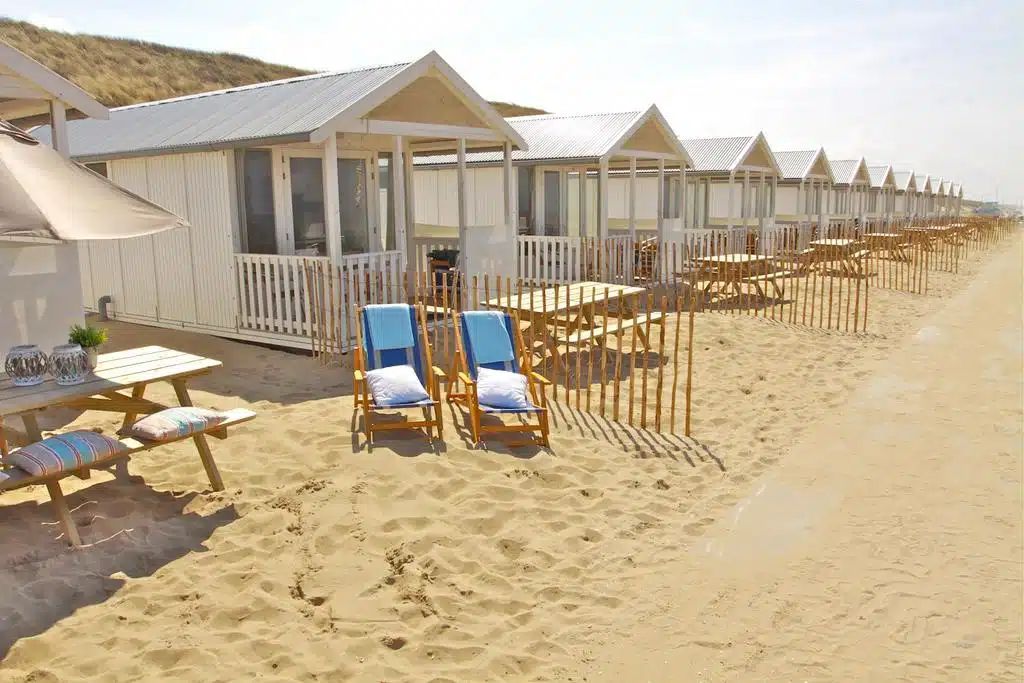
pixel 17 478
pixel 756 280
pixel 613 326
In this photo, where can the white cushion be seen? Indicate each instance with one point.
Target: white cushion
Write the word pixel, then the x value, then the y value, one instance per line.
pixel 502 389
pixel 395 385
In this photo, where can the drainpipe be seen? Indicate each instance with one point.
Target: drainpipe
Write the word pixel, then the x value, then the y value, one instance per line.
pixel 101 306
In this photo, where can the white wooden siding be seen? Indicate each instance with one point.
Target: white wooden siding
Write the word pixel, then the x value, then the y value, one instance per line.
pixel 436 196
pixel 183 276
pixel 208 185
pixel 138 278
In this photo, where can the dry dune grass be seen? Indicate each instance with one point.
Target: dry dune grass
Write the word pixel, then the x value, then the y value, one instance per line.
pixel 120 71
pixel 327 561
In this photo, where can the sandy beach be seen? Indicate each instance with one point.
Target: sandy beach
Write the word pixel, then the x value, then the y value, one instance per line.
pixel 849 509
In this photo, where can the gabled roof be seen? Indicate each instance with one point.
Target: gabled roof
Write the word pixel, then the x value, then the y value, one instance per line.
pixel 938 186
pixel 27 87
pixel 555 137
pixel 801 165
pixel 307 108
pixel 956 190
pixel 881 176
pixel 905 181
pixel 923 183
pixel 848 171
pixel 725 155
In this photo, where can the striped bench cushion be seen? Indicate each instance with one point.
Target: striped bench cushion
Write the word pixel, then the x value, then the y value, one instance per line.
pixel 64 452
pixel 174 423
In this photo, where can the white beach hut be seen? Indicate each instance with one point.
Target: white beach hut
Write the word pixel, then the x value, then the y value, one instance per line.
pixel 804 187
pixel 270 175
pixel 40 286
pixel 622 156
pixel 881 195
pixel 850 190
pixel 733 184
pixel 956 193
pixel 905 195
pixel 923 195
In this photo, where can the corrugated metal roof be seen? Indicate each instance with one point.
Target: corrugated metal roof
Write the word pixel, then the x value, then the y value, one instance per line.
pixel 290 107
pixel 902 179
pixel 844 169
pixel 794 164
pixel 554 136
pixel 878 174
pixel 716 155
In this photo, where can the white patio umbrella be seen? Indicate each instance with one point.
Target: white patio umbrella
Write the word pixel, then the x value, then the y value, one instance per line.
pixel 44 196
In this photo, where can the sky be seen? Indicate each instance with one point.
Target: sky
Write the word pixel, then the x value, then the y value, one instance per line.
pixel 937 87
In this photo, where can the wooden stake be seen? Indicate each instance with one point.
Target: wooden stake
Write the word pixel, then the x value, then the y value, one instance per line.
pixel 661 363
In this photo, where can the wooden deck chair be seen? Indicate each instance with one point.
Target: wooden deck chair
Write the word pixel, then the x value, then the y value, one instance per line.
pixel 467 374
pixel 369 357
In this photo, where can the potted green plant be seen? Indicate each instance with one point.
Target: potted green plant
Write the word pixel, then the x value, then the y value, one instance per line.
pixel 90 339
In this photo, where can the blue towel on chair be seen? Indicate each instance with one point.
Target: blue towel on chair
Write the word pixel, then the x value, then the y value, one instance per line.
pixel 488 337
pixel 390 326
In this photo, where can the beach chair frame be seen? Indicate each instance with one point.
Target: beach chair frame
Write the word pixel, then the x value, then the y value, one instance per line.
pixel 432 378
pixel 539 432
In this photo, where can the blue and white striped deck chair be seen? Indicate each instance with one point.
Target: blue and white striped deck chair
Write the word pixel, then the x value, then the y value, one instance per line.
pixel 469 367
pixel 369 356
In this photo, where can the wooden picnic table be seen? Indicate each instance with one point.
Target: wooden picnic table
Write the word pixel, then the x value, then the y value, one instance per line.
pixel 731 271
pixel 578 313
pixel 132 371
pixel 891 242
pixel 845 252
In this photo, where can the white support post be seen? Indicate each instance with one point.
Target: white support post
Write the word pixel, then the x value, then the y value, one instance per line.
pixel 398 192
pixel 732 182
pixel 59 121
pixel 661 203
pixel 410 203
pixel 584 228
pixel 539 211
pixel 761 205
pixel 332 199
pixel 463 206
pixel 602 199
pixel 632 200
pixel 511 210
pixel 773 210
pixel 683 199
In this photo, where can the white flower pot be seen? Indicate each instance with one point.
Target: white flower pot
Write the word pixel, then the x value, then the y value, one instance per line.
pixel 69 364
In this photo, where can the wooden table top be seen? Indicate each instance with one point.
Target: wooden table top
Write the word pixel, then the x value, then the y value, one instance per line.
pixel 733 258
pixel 568 296
pixel 833 243
pixel 114 371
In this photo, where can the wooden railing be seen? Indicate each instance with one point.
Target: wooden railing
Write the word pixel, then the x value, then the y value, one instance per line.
pixel 424 245
pixel 273 290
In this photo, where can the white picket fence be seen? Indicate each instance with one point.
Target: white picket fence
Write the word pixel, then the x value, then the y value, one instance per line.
pixel 573 259
pixel 273 290
pixel 424 245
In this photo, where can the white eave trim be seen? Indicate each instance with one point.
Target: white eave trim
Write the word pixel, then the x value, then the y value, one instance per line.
pixel 651 114
pixel 52 84
pixel 355 112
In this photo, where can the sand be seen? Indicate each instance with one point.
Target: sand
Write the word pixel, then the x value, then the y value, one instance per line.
pixel 850 510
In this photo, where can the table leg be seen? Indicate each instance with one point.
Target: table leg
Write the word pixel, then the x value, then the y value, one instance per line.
pixel 181 391
pixel 60 504
pixel 628 310
pixel 138 391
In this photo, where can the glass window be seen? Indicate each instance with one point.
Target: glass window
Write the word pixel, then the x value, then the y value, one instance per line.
pixel 552 203
pixel 257 203
pixel 524 178
pixel 99 167
pixel 387 200
pixel 308 206
pixel 353 191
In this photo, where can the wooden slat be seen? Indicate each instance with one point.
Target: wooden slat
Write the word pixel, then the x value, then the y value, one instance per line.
pixel 152 365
